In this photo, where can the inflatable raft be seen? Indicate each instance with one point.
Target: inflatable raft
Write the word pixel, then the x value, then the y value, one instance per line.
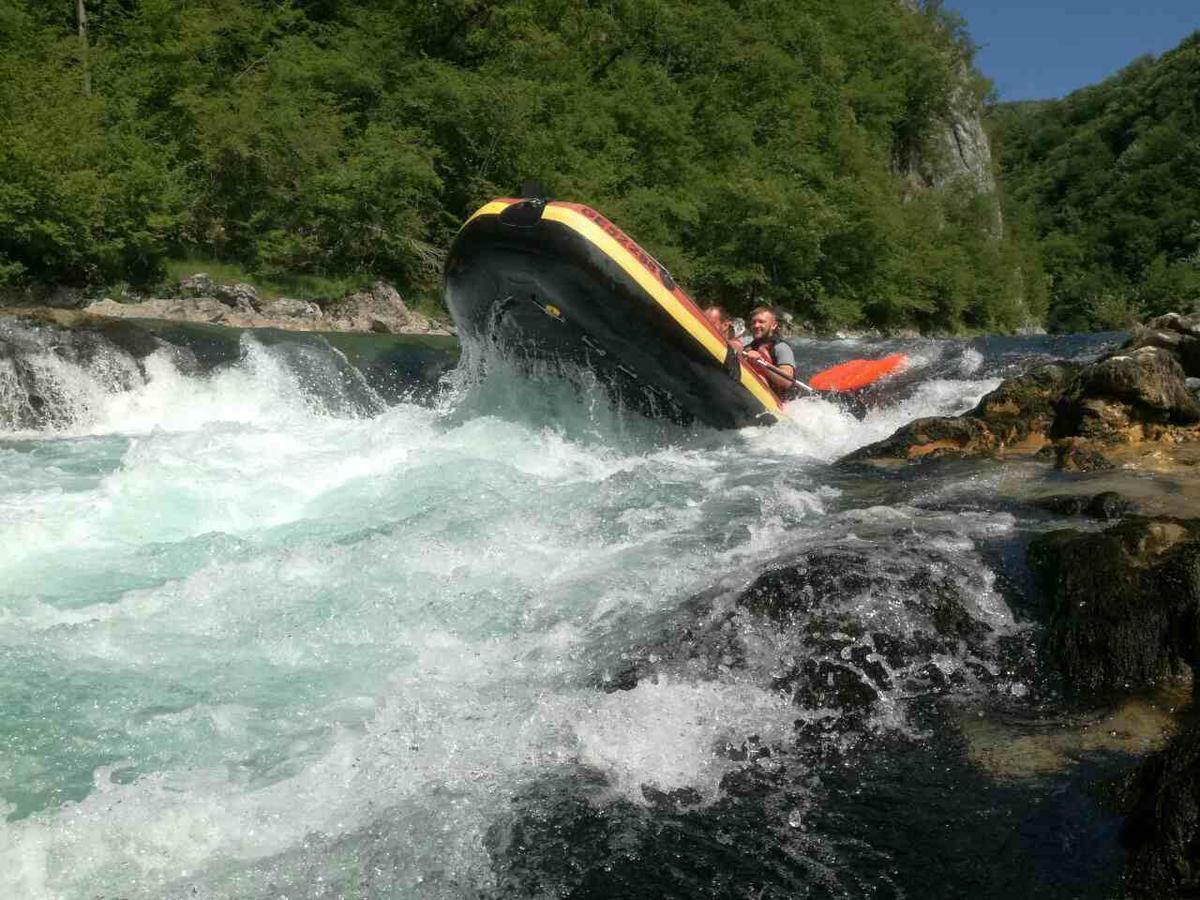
pixel 557 284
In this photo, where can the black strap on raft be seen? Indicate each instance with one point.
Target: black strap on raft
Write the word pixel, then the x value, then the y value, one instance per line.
pixel 533 190
pixel 525 214
pixel 529 211
pixel 733 366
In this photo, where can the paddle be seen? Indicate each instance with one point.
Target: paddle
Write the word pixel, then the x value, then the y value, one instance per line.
pixel 845 377
pixel 778 371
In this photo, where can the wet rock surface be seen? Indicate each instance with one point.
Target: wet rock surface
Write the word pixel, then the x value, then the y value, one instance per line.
pixel 46 355
pixel 1022 410
pixel 1076 413
pixel 1122 605
pixel 1162 831
pixel 1107 505
pixel 850 631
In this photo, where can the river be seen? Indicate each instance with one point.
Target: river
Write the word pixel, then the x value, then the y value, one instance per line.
pixel 270 627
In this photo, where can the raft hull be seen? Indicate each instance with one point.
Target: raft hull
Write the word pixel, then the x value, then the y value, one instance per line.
pixel 558 284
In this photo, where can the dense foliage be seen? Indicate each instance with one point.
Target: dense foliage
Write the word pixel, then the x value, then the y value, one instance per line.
pixel 1111 177
pixel 751 144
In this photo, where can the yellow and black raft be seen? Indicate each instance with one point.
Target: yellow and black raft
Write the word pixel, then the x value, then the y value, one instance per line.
pixel 558 283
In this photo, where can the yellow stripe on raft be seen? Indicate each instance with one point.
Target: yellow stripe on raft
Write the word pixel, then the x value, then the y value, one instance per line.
pixel 580 223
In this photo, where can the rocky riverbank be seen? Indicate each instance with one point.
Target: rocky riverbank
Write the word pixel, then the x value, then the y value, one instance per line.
pixel 379 309
pixel 1119 607
pixel 1083 417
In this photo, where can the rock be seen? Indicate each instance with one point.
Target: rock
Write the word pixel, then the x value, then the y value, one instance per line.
pixel 1179 335
pixel 285 308
pixel 840 655
pixel 1080 455
pixel 378 309
pixel 1108 505
pixel 198 285
pixel 1020 412
pixel 936 436
pixel 37 395
pixel 62 297
pixel 1123 605
pixel 1126 398
pixel 196 309
pixel 1026 406
pixel 56 297
pixel 1148 379
pixel 846 629
pixel 1162 830
pixel 241 296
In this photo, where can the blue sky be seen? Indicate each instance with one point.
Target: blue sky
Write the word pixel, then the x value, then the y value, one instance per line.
pixel 1035 51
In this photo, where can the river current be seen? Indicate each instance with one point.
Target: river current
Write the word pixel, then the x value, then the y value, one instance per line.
pixel 268 630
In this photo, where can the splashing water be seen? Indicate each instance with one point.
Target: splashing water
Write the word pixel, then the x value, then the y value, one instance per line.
pixel 264 635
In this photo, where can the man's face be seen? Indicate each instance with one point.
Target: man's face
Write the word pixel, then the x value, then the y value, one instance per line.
pixel 762 325
pixel 714 316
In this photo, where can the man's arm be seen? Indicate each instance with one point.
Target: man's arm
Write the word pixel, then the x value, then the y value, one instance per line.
pixel 785 362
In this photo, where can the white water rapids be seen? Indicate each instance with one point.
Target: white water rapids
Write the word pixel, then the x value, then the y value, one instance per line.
pixel 252 648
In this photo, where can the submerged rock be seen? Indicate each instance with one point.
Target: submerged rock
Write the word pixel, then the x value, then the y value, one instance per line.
pixel 847 630
pixel 1123 605
pixel 1162 832
pixel 42 361
pixel 1074 454
pixel 1107 505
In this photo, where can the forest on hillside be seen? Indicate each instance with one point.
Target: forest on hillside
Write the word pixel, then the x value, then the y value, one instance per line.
pixel 1110 177
pixel 751 145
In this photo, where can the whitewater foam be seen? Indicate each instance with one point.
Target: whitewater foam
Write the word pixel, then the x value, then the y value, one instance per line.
pixel 267 633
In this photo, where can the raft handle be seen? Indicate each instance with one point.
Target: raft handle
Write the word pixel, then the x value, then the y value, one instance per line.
pixel 524 214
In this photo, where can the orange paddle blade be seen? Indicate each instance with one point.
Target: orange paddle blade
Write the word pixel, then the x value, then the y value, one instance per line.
pixel 856 373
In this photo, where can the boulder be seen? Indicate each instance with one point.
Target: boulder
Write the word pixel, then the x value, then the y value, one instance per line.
pixel 1080 455
pixel 241 296
pixel 63 297
pixel 1148 380
pixel 1026 406
pixel 1020 412
pixel 59 296
pixel 932 437
pixel 1179 335
pixel 195 309
pixel 1126 398
pixel 1122 605
pixel 198 285
pixel 845 629
pixel 1107 505
pixel 380 308
pixel 286 308
pixel 1162 830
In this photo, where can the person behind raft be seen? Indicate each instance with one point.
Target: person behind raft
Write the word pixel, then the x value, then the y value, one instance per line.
pixel 767 347
pixel 721 321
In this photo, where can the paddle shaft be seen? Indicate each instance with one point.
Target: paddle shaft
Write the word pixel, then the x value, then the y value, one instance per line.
pixel 782 374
